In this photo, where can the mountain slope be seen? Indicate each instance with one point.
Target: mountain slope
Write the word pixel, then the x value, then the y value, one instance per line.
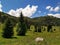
pixel 45 20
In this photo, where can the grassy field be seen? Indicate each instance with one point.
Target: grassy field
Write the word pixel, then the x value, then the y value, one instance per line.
pixel 51 38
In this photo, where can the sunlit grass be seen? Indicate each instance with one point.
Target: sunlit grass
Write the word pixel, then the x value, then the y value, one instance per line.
pixel 51 38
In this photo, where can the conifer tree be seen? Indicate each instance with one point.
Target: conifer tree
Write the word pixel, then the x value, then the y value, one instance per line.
pixel 22 28
pixel 8 29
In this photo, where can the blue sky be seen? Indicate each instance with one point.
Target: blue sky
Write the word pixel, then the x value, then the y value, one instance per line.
pixel 43 8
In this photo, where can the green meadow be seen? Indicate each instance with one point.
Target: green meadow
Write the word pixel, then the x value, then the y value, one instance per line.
pixel 50 38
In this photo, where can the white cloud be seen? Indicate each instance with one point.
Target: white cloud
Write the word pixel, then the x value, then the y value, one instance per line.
pixel 55 15
pixel 27 11
pixel 0 6
pixel 50 14
pixel 57 9
pixel 50 8
pixel 15 12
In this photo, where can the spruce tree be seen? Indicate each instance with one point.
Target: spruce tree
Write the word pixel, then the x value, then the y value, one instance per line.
pixel 22 28
pixel 8 29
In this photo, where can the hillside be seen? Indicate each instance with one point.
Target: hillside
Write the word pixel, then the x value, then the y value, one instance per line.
pixel 46 20
pixel 4 16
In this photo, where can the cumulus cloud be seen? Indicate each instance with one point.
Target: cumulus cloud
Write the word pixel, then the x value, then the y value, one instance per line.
pixel 0 6
pixel 15 12
pixel 27 11
pixel 50 8
pixel 55 15
pixel 57 9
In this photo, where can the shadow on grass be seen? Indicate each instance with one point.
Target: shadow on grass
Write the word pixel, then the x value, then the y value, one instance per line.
pixel 10 38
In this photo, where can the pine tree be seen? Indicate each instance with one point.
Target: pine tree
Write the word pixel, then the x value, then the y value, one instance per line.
pixel 22 28
pixel 8 29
